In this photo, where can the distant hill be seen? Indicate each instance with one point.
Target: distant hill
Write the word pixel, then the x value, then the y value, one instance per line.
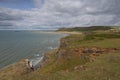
pixel 92 28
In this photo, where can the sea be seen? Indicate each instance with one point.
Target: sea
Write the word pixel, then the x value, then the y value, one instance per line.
pixel 17 45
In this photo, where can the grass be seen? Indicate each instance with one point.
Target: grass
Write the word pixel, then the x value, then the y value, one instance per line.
pixel 13 71
pixel 107 43
pixel 91 28
pixel 105 67
pixel 99 40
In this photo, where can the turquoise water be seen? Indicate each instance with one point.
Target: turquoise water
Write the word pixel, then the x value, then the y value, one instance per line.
pixel 17 45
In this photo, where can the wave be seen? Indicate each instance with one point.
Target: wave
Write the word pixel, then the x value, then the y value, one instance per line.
pixel 51 48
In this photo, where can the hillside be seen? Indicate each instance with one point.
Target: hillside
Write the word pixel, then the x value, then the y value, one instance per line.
pixel 91 28
pixel 94 56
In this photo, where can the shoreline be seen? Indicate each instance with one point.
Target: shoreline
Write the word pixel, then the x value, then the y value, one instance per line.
pixel 50 32
pixel 66 32
pixel 62 32
pixel 23 59
pixel 59 32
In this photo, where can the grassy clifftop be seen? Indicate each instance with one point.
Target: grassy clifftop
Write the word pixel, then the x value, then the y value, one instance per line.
pixel 94 56
pixel 92 28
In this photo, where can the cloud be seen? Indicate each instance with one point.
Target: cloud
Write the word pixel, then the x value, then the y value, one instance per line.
pixel 39 3
pixel 63 13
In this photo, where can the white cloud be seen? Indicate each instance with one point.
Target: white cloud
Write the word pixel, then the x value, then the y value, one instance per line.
pixel 59 13
pixel 39 3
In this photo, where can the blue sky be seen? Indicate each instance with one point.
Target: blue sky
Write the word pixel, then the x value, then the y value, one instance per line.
pixel 50 14
pixel 17 4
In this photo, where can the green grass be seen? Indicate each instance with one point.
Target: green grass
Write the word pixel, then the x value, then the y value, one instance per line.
pixel 105 67
pixel 107 43
pixel 91 28
pixel 99 40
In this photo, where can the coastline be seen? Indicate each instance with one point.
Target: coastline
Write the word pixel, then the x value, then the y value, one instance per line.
pixel 69 59
pixel 41 62
pixel 66 32
pixel 23 60
pixel 60 32
pixel 53 32
pixel 33 45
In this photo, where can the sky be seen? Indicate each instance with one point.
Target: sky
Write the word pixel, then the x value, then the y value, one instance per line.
pixel 52 14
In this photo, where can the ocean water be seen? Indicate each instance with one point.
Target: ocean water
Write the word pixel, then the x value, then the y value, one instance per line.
pixel 17 45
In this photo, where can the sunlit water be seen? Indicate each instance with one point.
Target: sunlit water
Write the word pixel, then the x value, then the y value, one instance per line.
pixel 17 45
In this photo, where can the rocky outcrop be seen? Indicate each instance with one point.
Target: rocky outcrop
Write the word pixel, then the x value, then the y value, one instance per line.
pixel 45 60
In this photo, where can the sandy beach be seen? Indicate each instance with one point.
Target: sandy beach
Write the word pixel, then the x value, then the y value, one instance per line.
pixel 62 32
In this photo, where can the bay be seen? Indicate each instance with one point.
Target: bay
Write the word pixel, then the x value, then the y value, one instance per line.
pixel 17 45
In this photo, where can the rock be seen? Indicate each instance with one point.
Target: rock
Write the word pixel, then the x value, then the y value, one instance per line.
pixel 80 67
pixel 45 60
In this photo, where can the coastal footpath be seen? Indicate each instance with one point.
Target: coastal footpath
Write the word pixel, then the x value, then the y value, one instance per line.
pixel 90 55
